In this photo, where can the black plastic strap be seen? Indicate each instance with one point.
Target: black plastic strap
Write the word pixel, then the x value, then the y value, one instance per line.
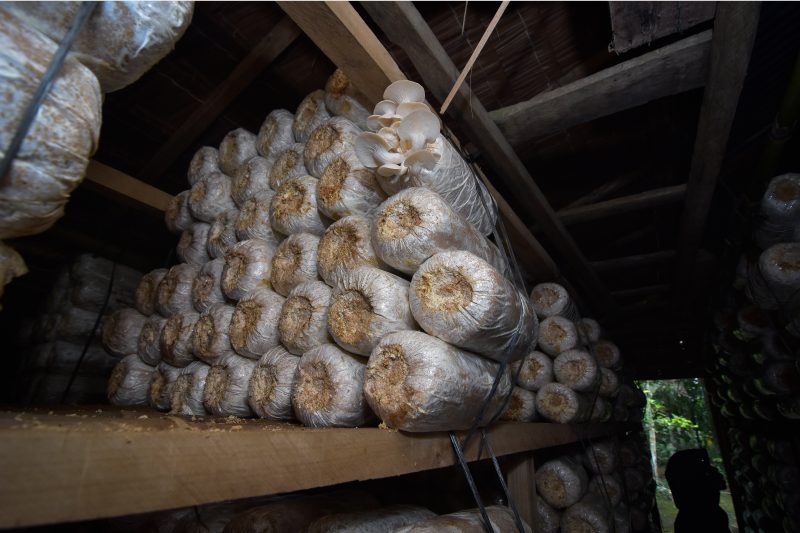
pixel 503 485
pixel 92 335
pixel 80 18
pixel 487 524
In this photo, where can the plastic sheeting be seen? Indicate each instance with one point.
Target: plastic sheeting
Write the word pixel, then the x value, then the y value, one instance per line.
pixel 417 223
pixel 347 187
pixel 121 331
pixel 294 208
pixel 53 157
pixel 329 140
pixel 329 390
pixel 272 383
pixel 459 298
pixel 419 383
pixel 129 383
pixel 254 324
pixel 248 265
pixel 366 304
pixel 344 246
pixel 303 323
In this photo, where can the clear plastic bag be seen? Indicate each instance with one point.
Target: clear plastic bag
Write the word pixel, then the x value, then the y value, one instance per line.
pixel 162 386
pixel 248 265
pixel 460 298
pixel 176 339
pixel 536 371
pixel 558 403
pixel 303 323
pixel 380 520
pixel 222 234
pixel 366 304
pixel 275 134
pixel 121 331
pixel 340 99
pixel 552 299
pixel 272 383
pixel 210 197
pixel 294 208
pixel 521 406
pixel 294 262
pixel 174 293
pixel 329 389
pixel 254 324
pixel 344 246
pixel 416 223
pixel 204 161
pixel 238 147
pixel 501 520
pixel 227 382
pixel 419 383
pixel 347 187
pixel 187 395
pixel 253 220
pixel 177 216
pixel 288 164
pixel 129 383
pixel 149 345
pixel 147 291
pixel 211 337
pixel 250 179
pixel 192 244
pixel 557 334
pixel 310 114
pixel 207 286
pixel 577 369
pixel 329 140
pixel 561 482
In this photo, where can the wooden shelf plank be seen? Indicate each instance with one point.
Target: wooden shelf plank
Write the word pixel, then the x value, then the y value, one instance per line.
pixel 94 463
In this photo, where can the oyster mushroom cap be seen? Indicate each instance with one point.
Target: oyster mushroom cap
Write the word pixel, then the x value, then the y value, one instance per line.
pixel 403 91
pixel 418 129
pixel 373 151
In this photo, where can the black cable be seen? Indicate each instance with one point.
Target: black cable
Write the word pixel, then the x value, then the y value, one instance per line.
pixel 92 335
pixel 80 18
pixel 487 524
pixel 503 484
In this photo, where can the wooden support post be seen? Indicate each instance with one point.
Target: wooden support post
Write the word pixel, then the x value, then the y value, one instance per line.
pixel 734 33
pixel 522 486
pixel 603 191
pixel 404 25
pixel 673 69
pixel 633 261
pixel 341 34
pixel 120 184
pixel 270 47
pixel 643 200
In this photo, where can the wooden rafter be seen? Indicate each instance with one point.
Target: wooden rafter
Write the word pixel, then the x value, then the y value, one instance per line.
pixel 342 35
pixel 122 185
pixel 633 261
pixel 404 25
pixel 673 69
pixel 624 204
pixel 270 47
pixel 735 30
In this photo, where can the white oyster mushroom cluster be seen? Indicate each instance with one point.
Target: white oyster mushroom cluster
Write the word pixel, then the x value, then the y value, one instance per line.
pixel 406 149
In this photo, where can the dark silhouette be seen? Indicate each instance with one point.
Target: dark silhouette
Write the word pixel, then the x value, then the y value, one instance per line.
pixel 695 486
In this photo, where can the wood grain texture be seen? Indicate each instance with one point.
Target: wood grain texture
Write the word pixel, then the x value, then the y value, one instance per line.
pixel 673 69
pixel 338 30
pixel 633 261
pixel 265 52
pixel 85 464
pixel 624 204
pixel 129 188
pixel 403 24
pixel 522 486
pixel 735 30
pixel 634 24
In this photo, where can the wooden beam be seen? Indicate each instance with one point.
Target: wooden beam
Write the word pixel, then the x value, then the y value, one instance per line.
pixel 673 69
pixel 265 52
pixel 642 291
pixel 342 35
pixel 87 463
pixel 404 25
pixel 633 261
pixel 735 30
pixel 338 30
pixel 603 191
pixel 625 204
pixel 634 24
pixel 127 187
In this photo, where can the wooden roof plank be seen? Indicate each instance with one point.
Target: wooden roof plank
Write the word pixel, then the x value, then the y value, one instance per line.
pixel 403 24
pixel 672 69
pixel 624 204
pixel 127 187
pixel 735 30
pixel 265 52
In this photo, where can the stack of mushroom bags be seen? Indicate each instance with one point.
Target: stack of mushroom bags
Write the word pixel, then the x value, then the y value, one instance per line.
pixel 574 373
pixel 605 485
pixel 336 266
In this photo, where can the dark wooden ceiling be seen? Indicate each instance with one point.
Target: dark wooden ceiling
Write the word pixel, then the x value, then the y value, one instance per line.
pixel 537 47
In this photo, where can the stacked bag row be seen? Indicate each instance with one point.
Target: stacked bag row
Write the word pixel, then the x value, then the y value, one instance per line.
pixel 606 486
pixel 54 340
pixel 574 375
pixel 329 512
pixel 118 43
pixel 303 288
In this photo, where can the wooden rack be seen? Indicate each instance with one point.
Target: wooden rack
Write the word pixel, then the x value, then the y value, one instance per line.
pixel 97 462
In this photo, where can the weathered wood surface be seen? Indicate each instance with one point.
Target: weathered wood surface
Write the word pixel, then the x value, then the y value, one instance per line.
pixel 624 204
pixel 127 187
pixel 92 463
pixel 673 69
pixel 634 24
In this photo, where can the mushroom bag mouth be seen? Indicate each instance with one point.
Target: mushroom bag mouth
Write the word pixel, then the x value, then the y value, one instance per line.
pixel 418 383
pixel 303 323
pixel 250 179
pixel 147 291
pixel 417 223
pixel 227 382
pixel 328 141
pixel 238 147
pixel 346 187
pixel 344 246
pixel 310 114
pixel 272 384
pixel 205 161
pixel 129 383
pixel 187 395
pixel 294 208
pixel 294 262
pixel 275 134
pixel 222 234
pixel 460 298
pixel 254 324
pixel 248 266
